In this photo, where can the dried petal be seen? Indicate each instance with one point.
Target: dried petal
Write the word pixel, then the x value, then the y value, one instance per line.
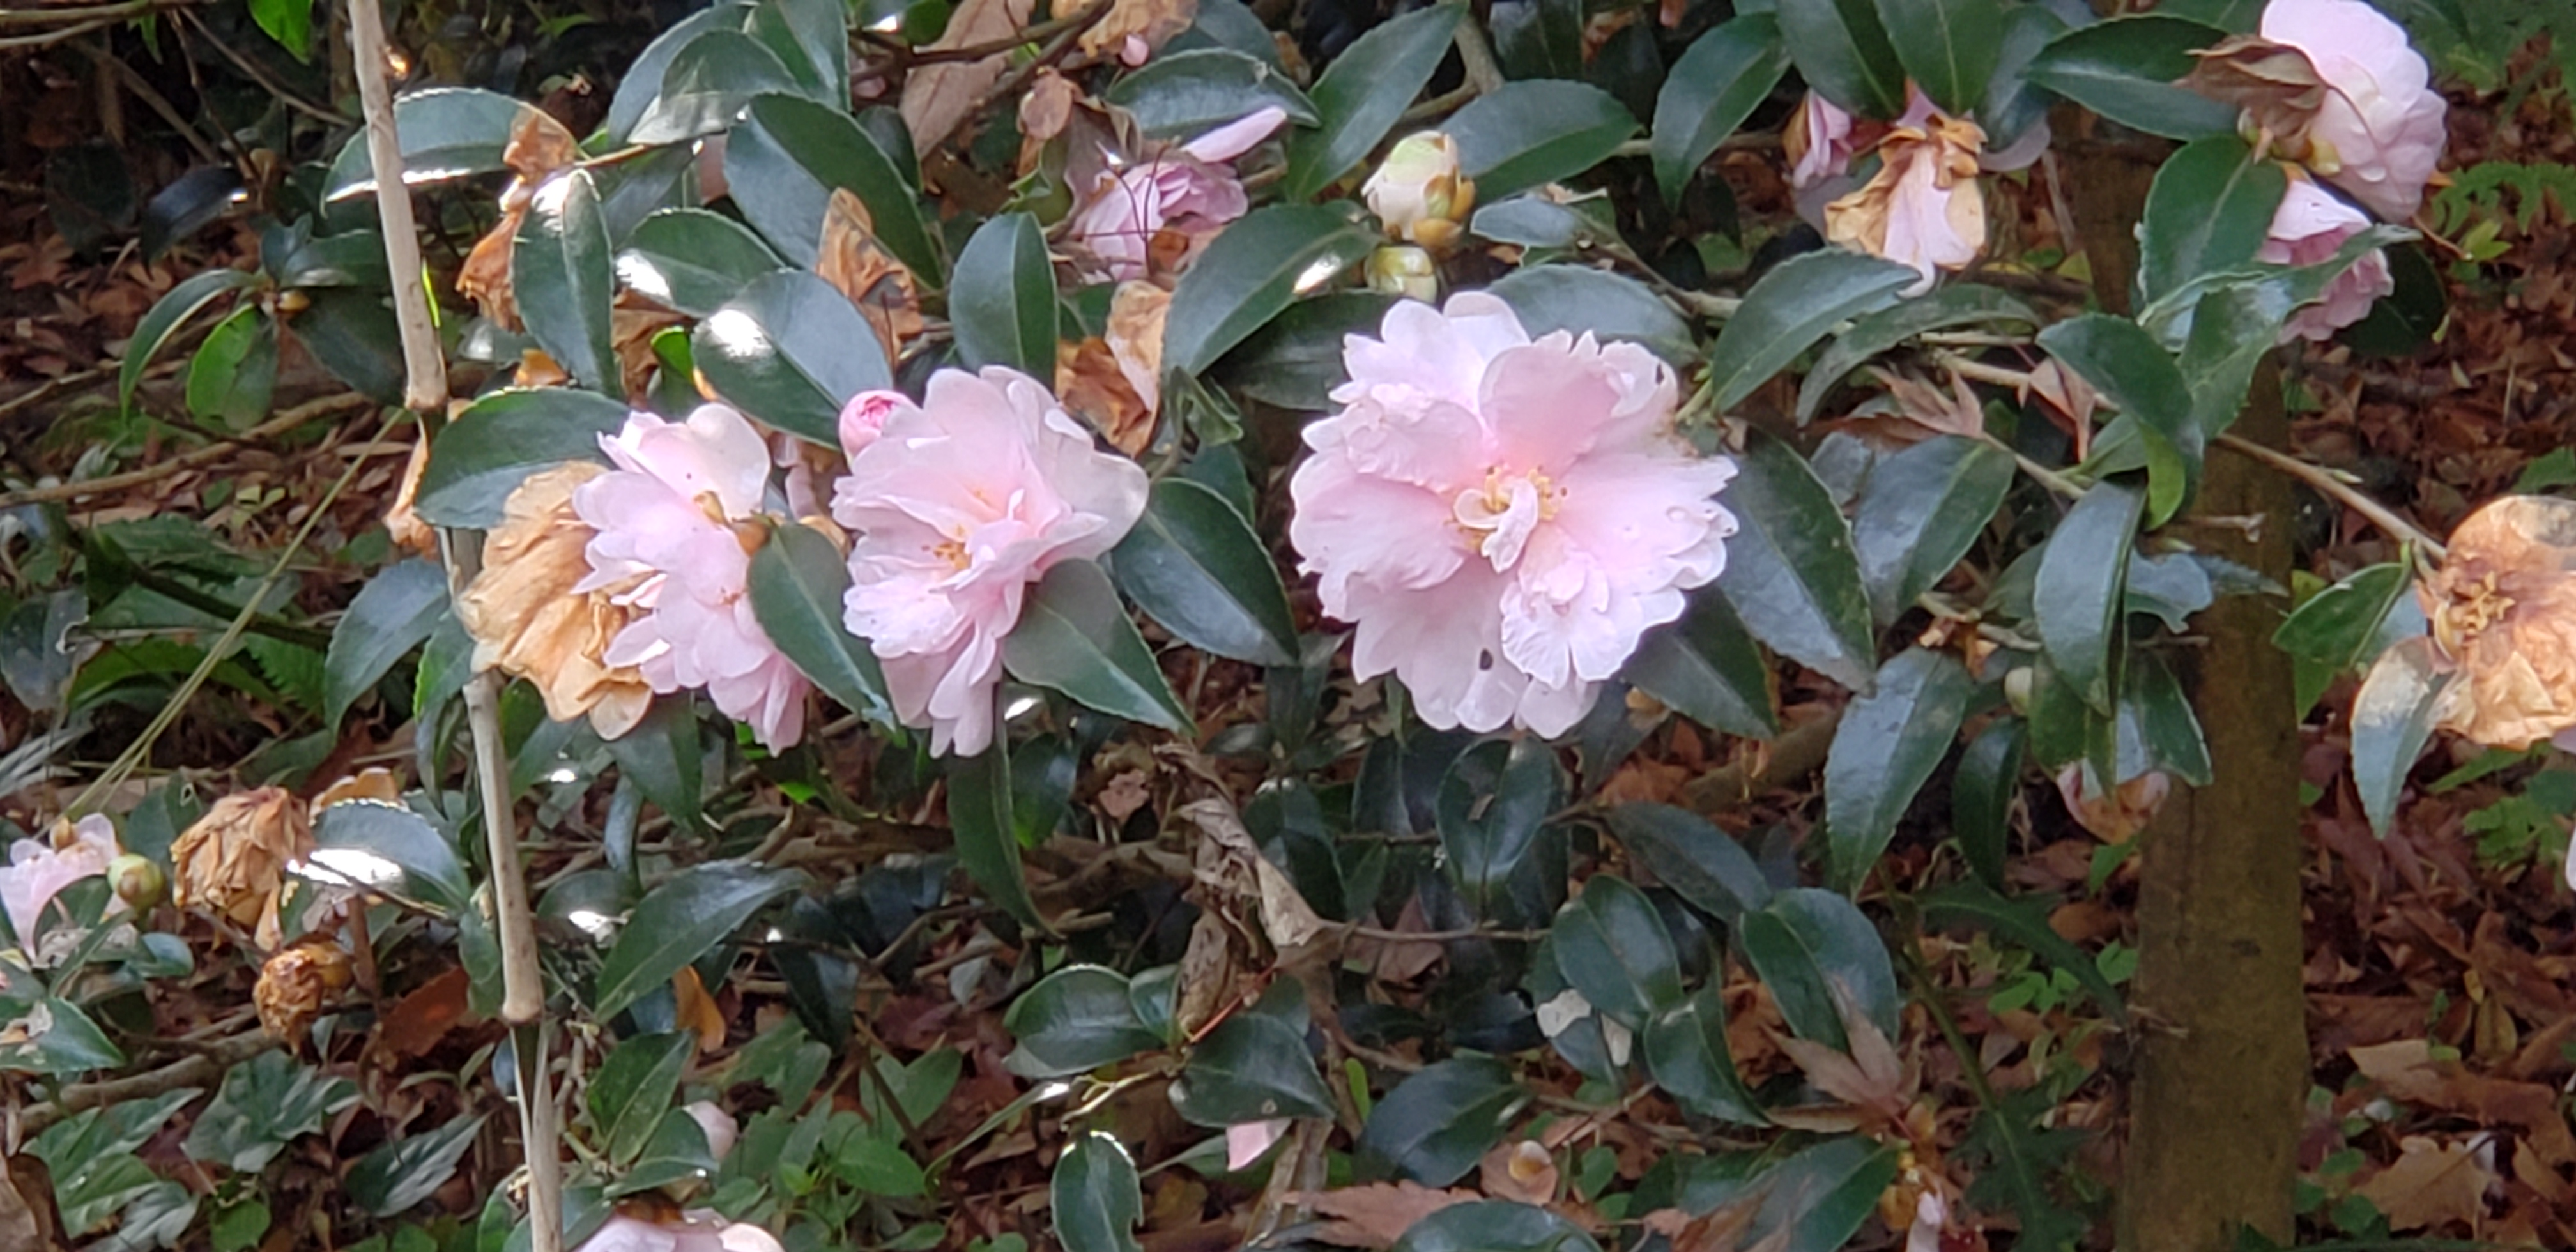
pixel 233 860
pixel 296 985
pixel 2503 609
pixel 858 266
pixel 527 618
pixel 401 519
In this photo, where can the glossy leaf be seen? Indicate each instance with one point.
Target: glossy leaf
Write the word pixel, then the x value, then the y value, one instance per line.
pixel 1817 952
pixel 1543 130
pixel 1074 636
pixel 664 755
pixel 1686 1052
pixel 1578 299
pixel 391 833
pixel 1076 1019
pixel 1255 1066
pixel 2025 923
pixel 706 85
pixel 1945 308
pixel 400 1174
pixel 2124 363
pixel 1194 565
pixel 2156 714
pixel 1702 864
pixel 2401 697
pixel 1363 92
pixel 979 812
pixel 173 310
pixel 563 278
pixel 797 584
pixel 1295 362
pixel 2210 208
pixel 1249 273
pixel 1919 512
pixel 1982 794
pixel 1707 667
pixel 693 260
pixel 1791 572
pixel 812 39
pixel 234 370
pixel 1181 95
pixel 1710 91
pixel 1844 53
pixel 680 921
pixel 1612 947
pixel 786 159
pixel 1002 302
pixel 393 614
pixel 1794 306
pixel 790 351
pixel 351 331
pixel 1889 743
pixel 1494 1226
pixel 483 455
pixel 1488 832
pixel 445 132
pixel 2337 625
pixel 265 1103
pixel 1440 1121
pixel 643 79
pixel 676 1153
pixel 1095 1199
pixel 633 1089
pixel 2126 69
pixel 1948 47
pixel 2076 599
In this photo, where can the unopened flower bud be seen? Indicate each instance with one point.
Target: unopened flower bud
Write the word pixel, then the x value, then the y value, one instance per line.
pixel 1419 193
pixel 138 881
pixel 2017 687
pixel 1398 270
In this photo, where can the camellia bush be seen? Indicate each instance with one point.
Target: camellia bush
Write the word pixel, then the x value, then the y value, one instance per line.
pixel 1176 529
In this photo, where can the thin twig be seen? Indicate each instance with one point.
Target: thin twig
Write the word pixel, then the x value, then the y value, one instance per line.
pixel 278 425
pixel 2343 492
pixel 189 1071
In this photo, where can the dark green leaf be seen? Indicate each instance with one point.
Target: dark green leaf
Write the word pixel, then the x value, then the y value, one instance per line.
pixel 1945 308
pixel 2157 715
pixel 2025 923
pixel 1843 52
pixel 1494 1226
pixel 1251 272
pixel 1791 572
pixel 1686 1051
pixel 2338 625
pixel 234 370
pixel 676 1153
pixel 1184 94
pixel 1819 1197
pixel 1076 1019
pixel 1982 793
pixel 1701 863
pixel 1707 667
pixel 431 872
pixel 2210 208
pixel 797 584
pixel 264 1104
pixel 1296 360
pixel 1710 91
pixel 788 156
pixel 1817 953
pixel 1440 1121
pixel 1255 1066
pixel 812 39
pixel 1889 743
pixel 791 350
pixel 1577 299
pixel 1194 565
pixel 664 755
pixel 979 812
pixel 167 315
pixel 2077 596
pixel 1490 808
pixel 633 1089
pixel 642 82
pixel 563 279
pixel 393 614
pixel 2012 103
pixel 2123 362
pixel 1540 38
pixel 481 457
pixel 446 133
pixel 1543 130
pixel 2126 68
pixel 1792 307
pixel 1002 303
pixel 707 84
pixel 1095 1198
pixel 681 920
pixel 1074 636
pixel 351 331
pixel 1612 947
pixel 1919 512
pixel 400 1174
pixel 1948 46
pixel 693 260
pixel 1364 91
pixel 2400 700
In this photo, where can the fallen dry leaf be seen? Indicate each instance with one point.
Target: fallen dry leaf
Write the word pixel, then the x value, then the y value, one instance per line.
pixel 421 1019
pixel 1376 1215
pixel 2432 1183
pixel 936 98
pixel 1149 23
pixel 695 1011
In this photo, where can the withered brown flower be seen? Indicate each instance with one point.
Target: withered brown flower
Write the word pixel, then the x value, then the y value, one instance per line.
pixel 2503 613
pixel 538 148
pixel 296 985
pixel 526 618
pixel 233 860
pixel 1924 206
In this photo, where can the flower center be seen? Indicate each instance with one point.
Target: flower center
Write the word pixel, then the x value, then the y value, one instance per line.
pixel 2474 606
pixel 1500 516
pixel 952 551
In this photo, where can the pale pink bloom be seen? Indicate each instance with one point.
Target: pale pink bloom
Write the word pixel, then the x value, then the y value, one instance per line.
pixel 1502 518
pixel 957 507
pixel 698 1230
pixel 2379 130
pixel 720 1127
pixel 1931 1213
pixel 37 871
pixel 1821 141
pixel 1924 206
pixel 1187 189
pixel 2310 227
pixel 864 417
pixel 679 514
pixel 1245 1142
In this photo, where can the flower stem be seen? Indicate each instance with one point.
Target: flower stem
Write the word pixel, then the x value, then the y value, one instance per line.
pixel 2326 482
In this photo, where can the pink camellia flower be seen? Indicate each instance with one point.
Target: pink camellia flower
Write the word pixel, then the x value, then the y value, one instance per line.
pixel 864 418
pixel 1821 140
pixel 37 871
pixel 677 519
pixel 2309 227
pixel 957 506
pixel 1502 517
pixel 1185 190
pixel 2378 128
pixel 697 1230
pixel 1924 207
